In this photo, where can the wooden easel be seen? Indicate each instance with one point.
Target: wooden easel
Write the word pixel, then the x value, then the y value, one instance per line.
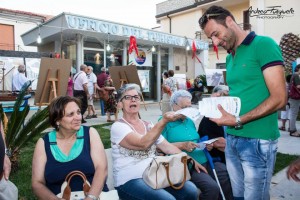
pixel 124 80
pixel 54 89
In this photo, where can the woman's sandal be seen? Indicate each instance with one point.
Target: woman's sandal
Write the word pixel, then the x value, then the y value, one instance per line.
pixel 295 134
pixel 282 128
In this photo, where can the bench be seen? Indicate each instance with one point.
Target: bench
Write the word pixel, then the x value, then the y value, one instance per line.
pixel 110 178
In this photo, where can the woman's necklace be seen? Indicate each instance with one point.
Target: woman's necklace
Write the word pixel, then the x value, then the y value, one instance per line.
pixel 69 139
pixel 145 130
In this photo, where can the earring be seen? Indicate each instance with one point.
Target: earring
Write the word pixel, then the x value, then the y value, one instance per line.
pixel 57 124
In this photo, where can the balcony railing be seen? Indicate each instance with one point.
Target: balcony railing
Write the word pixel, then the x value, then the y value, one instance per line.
pixel 11 47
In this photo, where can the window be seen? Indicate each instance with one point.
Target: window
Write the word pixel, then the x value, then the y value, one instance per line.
pixel 220 65
pixel 7 41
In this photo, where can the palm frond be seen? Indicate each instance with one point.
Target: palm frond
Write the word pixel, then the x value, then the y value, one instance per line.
pixel 15 115
pixel 29 130
pixel 14 125
pixel 37 131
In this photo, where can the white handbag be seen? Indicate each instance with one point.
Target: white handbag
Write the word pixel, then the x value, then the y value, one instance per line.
pixel 165 171
pixel 67 194
pixel 8 190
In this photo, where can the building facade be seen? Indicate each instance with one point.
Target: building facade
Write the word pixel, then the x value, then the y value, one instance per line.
pixel 85 40
pixel 272 18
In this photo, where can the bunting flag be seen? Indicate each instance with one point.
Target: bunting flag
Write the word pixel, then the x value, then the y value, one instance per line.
pixel 133 45
pixel 194 49
pixel 216 50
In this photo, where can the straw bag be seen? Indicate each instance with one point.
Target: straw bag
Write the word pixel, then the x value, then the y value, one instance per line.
pixel 165 171
pixel 67 194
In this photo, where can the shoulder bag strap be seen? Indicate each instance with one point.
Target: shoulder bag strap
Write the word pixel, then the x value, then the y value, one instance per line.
pixel 67 191
pixel 166 165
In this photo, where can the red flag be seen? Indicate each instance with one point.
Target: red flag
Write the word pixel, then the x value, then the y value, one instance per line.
pixel 194 49
pixel 133 45
pixel 216 50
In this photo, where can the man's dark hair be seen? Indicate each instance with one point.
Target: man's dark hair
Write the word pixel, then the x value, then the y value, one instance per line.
pixel 217 13
pixel 171 73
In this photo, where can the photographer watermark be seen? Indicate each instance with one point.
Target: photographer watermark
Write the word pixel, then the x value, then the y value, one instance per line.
pixel 271 12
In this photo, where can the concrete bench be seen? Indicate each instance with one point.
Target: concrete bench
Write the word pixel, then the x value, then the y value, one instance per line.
pixel 110 179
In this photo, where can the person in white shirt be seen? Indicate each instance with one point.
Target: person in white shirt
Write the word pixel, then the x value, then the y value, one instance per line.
pixel 92 88
pixel 134 143
pixel 19 79
pixel 80 89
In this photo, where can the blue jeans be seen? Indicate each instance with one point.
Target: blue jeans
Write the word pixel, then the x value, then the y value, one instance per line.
pixel 250 163
pixel 137 189
pixel 102 107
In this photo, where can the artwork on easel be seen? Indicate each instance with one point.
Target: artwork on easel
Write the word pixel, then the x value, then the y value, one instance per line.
pixel 53 80
pixel 124 74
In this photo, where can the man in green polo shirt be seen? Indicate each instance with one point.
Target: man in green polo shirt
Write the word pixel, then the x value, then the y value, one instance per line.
pixel 255 74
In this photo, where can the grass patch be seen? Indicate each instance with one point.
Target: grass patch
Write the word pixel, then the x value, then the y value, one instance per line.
pixel 283 160
pixel 22 177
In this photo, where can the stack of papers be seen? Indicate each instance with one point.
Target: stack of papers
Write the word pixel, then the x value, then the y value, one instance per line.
pixel 209 106
pixel 192 113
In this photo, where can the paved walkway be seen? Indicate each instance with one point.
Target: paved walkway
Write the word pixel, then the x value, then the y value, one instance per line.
pixel 281 188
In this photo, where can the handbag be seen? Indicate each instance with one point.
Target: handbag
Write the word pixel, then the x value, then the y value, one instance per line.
pixel 165 171
pixel 67 194
pixel 294 92
pixel 8 190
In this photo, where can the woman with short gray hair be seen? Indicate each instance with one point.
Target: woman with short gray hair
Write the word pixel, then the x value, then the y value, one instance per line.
pixel 179 94
pixel 183 134
pixel 134 144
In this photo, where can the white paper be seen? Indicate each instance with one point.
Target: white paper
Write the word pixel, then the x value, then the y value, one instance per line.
pixel 209 106
pixel 210 141
pixel 192 113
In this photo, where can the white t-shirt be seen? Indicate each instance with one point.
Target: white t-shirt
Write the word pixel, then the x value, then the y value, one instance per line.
pixel 92 79
pixel 19 79
pixel 79 80
pixel 128 164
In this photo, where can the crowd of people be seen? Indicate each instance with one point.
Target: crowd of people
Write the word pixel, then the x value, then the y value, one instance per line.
pixel 244 154
pixel 88 87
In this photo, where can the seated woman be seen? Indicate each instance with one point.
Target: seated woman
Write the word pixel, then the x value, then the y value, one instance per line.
pixel 67 148
pixel 134 144
pixel 212 130
pixel 183 134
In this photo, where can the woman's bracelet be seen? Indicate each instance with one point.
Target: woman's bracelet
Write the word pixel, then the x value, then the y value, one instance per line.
pixel 92 197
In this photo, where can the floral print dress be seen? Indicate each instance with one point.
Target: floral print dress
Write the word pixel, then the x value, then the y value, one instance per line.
pixel 111 104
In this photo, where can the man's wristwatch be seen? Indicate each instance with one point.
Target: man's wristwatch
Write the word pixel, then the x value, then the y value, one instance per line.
pixel 238 122
pixel 7 152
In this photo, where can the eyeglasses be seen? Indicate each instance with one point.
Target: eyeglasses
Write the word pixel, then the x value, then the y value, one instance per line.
pixel 183 107
pixel 205 18
pixel 129 97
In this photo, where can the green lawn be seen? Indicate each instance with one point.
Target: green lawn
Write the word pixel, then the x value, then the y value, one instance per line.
pixel 22 177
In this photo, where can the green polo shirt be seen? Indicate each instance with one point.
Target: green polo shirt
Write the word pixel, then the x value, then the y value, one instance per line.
pixel 246 81
pixel 184 131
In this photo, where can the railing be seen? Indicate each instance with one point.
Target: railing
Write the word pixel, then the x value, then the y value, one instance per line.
pixel 11 47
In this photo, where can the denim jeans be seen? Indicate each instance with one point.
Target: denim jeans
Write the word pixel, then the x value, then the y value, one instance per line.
pixel 250 163
pixel 137 189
